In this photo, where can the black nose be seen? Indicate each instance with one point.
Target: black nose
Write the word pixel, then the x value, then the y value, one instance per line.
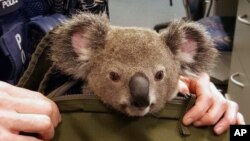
pixel 139 89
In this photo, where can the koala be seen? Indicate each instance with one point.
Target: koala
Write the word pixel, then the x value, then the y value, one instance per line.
pixel 134 70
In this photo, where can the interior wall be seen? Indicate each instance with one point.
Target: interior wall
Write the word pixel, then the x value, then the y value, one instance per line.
pixel 144 13
pixel 225 7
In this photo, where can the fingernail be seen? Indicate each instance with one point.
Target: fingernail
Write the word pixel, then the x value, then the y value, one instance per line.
pixel 219 130
pixel 188 121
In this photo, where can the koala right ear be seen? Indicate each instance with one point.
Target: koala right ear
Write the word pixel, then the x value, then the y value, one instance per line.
pixel 191 45
pixel 76 42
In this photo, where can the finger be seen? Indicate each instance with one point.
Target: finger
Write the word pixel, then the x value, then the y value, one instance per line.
pixel 38 107
pixel 229 118
pixel 8 136
pixel 183 88
pixel 213 115
pixel 240 119
pixel 185 79
pixel 198 110
pixel 29 123
pixel 216 111
pixel 204 101
pixel 36 124
pixel 23 105
pixel 23 138
pixel 201 86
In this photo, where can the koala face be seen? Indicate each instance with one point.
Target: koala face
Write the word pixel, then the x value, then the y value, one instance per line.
pixel 133 70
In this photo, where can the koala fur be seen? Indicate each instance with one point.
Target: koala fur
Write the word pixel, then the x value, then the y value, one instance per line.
pixel 134 70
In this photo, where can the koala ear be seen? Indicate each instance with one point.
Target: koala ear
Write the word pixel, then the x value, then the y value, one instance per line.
pixel 77 41
pixel 191 46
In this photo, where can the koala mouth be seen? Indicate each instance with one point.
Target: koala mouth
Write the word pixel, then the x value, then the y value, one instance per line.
pixel 136 111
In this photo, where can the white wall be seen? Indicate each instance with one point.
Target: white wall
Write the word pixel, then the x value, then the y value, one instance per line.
pixel 145 13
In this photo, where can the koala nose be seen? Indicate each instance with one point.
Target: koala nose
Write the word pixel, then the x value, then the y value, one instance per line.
pixel 139 90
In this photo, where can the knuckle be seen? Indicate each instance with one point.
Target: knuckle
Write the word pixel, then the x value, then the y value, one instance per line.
pixel 46 123
pixel 5 136
pixel 240 119
pixel 5 116
pixel 3 96
pixel 240 115
pixel 198 112
pixel 226 122
pixel 199 108
pixel 2 117
pixel 235 105
pixel 5 100
pixel 47 107
pixel 37 93
pixel 7 119
pixel 3 85
pixel 224 104
pixel 210 119
pixel 209 97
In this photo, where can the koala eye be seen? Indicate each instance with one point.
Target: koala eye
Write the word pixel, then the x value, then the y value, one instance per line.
pixel 159 75
pixel 114 76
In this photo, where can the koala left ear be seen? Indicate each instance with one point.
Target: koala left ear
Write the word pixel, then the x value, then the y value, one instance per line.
pixel 191 45
pixel 77 41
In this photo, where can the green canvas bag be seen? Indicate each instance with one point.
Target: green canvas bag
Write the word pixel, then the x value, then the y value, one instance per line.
pixel 85 118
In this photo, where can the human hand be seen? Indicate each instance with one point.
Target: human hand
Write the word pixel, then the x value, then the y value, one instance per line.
pixel 211 108
pixel 26 112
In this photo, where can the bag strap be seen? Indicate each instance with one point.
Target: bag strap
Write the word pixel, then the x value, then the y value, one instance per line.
pixel 62 89
pixel 38 66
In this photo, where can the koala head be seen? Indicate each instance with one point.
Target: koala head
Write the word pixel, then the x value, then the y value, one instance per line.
pixel 134 70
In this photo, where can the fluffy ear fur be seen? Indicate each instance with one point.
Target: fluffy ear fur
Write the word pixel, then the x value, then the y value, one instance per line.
pixel 85 34
pixel 191 45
